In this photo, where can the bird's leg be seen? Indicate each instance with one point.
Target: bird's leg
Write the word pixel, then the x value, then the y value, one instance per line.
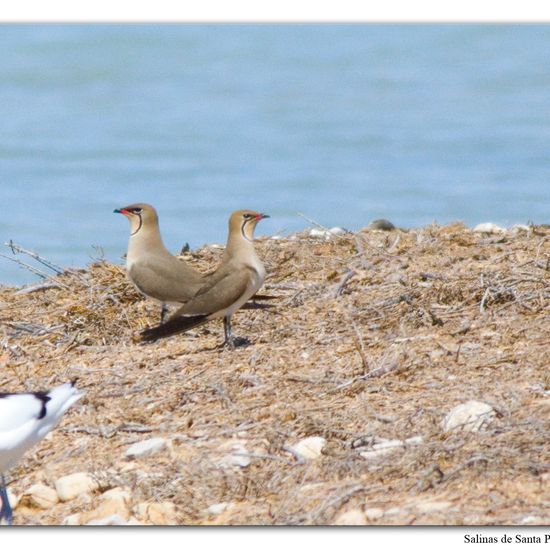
pixel 163 312
pixel 6 511
pixel 229 341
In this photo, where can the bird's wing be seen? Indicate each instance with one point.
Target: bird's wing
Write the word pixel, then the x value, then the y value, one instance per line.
pixel 227 287
pixel 167 281
pixel 16 409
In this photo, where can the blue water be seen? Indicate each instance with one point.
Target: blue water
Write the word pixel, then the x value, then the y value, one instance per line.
pixel 343 123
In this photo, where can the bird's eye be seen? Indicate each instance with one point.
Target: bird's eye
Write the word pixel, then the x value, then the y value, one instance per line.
pixel 137 210
pixel 247 216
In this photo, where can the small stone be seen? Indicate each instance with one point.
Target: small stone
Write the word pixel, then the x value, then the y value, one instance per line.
pixel 318 233
pixel 73 519
pixel 74 485
pixel 490 228
pixel 351 517
pixel 234 454
pixel 381 225
pixel 469 417
pixel 146 447
pixel 519 228
pixel 309 448
pixel 337 231
pixel 428 507
pixel 374 513
pixel 157 513
pixel 113 519
pixel 220 507
pixel 529 520
pixel 41 496
pixel 382 447
pixel 115 502
pixel 395 511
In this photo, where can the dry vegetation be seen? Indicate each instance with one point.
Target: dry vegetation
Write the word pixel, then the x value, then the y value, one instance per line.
pixel 374 335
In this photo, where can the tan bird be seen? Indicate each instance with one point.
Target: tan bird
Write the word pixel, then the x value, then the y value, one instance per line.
pixel 238 278
pixel 153 270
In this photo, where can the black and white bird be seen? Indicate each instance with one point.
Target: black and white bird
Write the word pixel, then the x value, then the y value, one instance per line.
pixel 25 419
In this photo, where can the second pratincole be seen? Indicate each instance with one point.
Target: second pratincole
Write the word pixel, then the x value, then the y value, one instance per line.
pixel 25 419
pixel 239 276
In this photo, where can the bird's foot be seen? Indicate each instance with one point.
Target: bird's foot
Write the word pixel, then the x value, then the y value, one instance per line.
pixel 235 342
pixel 6 514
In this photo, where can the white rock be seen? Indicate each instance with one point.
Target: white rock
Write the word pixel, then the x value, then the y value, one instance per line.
pixel 71 486
pixel 318 233
pixel 488 227
pixel 113 519
pixel 533 519
pixel 220 507
pixel 427 507
pixel 146 447
pixel 41 496
pixel 234 453
pixel 73 519
pixel 309 448
pixel 469 417
pixel 374 513
pixel 351 517
pixel 382 447
pixel 157 513
pixel 395 511
pixel 519 228
pixel 337 231
pixel 277 237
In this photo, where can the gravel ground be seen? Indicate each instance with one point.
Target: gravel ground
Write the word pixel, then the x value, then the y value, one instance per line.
pixel 373 339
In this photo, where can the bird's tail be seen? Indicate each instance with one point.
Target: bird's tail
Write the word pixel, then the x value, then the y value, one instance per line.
pixel 173 326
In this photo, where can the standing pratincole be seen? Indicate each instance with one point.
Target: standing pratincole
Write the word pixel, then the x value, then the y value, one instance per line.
pixel 238 278
pixel 25 419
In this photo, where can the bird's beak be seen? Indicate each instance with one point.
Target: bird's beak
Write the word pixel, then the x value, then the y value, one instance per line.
pixel 262 217
pixel 120 211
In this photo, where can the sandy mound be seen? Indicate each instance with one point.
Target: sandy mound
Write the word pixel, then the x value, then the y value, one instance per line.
pixel 374 338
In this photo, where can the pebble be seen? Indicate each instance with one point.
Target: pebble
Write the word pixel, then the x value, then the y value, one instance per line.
pixel 146 447
pixel 374 513
pixel 490 228
pixel 427 507
pixel 71 486
pixel 40 496
pixel 115 502
pixel 537 520
pixel 519 228
pixel 381 225
pixel 157 513
pixel 309 448
pixel 351 517
pixel 326 233
pixel 469 417
pixel 234 454
pixel 113 519
pixel 382 447
pixel 220 507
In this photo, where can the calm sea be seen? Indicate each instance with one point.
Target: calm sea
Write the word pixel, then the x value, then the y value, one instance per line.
pixel 342 123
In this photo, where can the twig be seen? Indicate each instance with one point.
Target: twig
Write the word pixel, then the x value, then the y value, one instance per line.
pixel 37 288
pixel 340 499
pixel 16 248
pixel 350 273
pixel 26 266
pixel 380 371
